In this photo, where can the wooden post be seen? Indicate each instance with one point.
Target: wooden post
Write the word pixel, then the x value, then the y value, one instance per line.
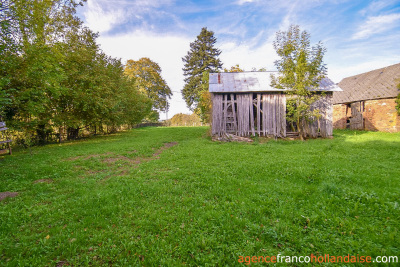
pixel 234 113
pixel 258 114
pixel 251 106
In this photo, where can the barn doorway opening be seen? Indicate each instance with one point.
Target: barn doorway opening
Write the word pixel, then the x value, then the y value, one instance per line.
pixel 355 121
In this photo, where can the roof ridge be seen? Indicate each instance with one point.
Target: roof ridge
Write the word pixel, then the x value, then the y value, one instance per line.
pixel 375 70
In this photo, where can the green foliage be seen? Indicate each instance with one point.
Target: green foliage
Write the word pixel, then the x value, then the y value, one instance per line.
pixel 202 57
pixel 147 75
pixel 235 68
pixel 116 200
pixel 301 68
pixel 154 116
pixel 204 106
pixel 261 69
pixel 181 119
pixel 55 79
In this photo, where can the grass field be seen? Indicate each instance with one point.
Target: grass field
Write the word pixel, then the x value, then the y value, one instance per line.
pixel 171 196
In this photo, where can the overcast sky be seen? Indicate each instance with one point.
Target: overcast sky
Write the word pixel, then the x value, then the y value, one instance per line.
pixel 359 35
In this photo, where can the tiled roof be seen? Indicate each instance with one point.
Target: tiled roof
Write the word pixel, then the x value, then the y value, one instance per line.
pixel 253 82
pixel 376 84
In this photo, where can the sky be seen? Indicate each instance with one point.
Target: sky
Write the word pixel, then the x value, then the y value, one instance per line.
pixel 359 35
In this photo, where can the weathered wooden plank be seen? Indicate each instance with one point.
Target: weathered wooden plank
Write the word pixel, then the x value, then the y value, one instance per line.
pixel 270 115
pixel 251 114
pixel 234 113
pixel 248 118
pixel 224 111
pixel 239 114
pixel 258 114
pixel 264 114
pixel 217 114
pixel 274 118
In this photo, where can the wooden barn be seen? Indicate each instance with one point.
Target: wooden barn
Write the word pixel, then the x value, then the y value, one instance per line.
pixel 245 104
pixel 368 101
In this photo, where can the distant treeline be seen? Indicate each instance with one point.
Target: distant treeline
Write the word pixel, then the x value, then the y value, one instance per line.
pixel 55 81
pixel 181 119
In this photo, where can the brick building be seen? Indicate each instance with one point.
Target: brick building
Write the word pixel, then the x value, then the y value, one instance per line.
pixel 368 101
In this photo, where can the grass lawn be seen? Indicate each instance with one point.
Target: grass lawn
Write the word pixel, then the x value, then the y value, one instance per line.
pixel 171 196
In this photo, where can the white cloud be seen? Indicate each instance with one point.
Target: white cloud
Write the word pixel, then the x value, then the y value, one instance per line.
pixel 167 51
pixel 99 20
pixel 377 6
pixel 103 15
pixel 241 2
pixel 376 24
pixel 339 70
pixel 247 56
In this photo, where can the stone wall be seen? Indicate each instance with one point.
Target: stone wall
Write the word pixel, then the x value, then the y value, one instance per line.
pixel 339 116
pixel 379 115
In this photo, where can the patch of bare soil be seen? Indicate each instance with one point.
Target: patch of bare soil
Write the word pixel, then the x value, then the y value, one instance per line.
pixel 231 138
pixel 127 163
pixel 62 263
pixel 45 181
pixel 139 160
pixel 135 161
pixel 4 195
pixel 166 146
pixel 89 156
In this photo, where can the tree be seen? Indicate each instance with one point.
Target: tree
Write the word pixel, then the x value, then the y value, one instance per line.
pixel 7 48
pixel 202 57
pixel 204 105
pixel 53 74
pixel 301 68
pixel 261 69
pixel 235 68
pixel 181 119
pixel 147 75
pixel 33 60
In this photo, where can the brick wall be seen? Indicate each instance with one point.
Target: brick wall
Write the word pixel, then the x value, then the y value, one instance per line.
pixel 339 116
pixel 381 115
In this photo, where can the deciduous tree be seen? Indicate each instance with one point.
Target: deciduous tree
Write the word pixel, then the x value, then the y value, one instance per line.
pixel 147 75
pixel 54 76
pixel 235 68
pixel 301 68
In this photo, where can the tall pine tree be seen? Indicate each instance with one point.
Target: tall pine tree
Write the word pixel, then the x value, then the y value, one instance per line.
pixel 201 57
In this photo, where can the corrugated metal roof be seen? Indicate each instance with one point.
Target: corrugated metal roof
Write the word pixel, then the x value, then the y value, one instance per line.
pixel 376 84
pixel 253 82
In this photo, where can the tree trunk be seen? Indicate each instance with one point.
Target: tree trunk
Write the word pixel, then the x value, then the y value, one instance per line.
pixel 72 133
pixel 41 133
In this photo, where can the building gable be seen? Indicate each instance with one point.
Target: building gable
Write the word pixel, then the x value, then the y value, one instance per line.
pixel 377 84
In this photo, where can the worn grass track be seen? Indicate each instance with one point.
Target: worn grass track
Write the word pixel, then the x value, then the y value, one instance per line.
pixel 170 196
